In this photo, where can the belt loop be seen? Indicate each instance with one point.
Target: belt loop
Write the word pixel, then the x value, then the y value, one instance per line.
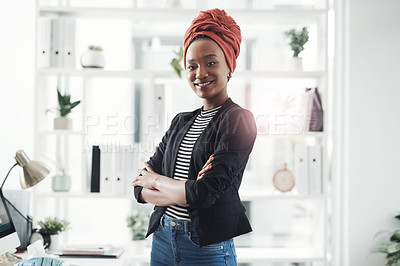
pixel 187 227
pixel 162 220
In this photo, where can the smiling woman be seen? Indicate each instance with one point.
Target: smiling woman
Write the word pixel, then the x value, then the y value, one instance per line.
pixel 194 176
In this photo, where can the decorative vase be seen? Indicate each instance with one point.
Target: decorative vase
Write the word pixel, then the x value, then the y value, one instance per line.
pixel 297 63
pixel 62 123
pixel 137 246
pixel 61 183
pixel 54 243
pixel 92 59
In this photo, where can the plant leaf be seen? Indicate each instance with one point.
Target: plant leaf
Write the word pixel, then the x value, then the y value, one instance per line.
pixel 74 104
pixel 395 237
pixel 393 248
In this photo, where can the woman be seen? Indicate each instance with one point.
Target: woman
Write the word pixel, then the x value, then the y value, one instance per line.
pixel 194 176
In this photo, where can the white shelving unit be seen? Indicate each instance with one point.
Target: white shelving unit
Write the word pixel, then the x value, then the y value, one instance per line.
pixel 313 209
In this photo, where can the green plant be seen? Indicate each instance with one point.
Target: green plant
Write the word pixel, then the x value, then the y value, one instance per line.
pixel 176 62
pixel 54 225
pixel 95 48
pixel 297 40
pixel 64 103
pixel 138 222
pixel 391 248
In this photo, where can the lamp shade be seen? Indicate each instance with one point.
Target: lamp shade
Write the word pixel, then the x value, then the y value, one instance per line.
pixel 32 171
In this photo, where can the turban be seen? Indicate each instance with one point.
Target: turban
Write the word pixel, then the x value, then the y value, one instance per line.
pixel 221 28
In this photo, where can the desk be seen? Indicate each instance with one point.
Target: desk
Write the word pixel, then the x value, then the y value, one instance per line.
pixel 127 258
pixel 245 255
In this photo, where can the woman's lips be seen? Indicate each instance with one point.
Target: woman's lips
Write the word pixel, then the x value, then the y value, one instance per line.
pixel 203 85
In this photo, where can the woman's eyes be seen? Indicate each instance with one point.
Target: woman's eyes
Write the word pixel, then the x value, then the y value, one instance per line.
pixel 193 67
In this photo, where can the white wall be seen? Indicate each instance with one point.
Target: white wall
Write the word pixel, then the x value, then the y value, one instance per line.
pixel 373 93
pixel 16 83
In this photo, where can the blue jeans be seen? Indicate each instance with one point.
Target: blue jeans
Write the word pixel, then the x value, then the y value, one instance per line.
pixel 175 242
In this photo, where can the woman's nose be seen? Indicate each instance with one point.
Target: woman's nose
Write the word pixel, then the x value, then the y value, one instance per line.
pixel 201 73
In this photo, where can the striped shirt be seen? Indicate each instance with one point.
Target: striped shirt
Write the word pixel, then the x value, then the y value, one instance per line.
pixel 185 153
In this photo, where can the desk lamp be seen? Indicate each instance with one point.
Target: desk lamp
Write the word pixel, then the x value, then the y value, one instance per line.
pixel 33 172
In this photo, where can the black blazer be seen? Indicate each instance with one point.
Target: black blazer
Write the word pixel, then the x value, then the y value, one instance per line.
pixel 215 208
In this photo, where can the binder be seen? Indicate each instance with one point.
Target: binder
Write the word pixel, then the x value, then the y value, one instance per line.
pixel 130 170
pixel 68 47
pixel 57 40
pixel 44 42
pixel 118 180
pixel 106 174
pixel 95 176
pixel 315 169
pixel 301 168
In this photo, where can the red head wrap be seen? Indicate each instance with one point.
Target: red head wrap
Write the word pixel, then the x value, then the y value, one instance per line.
pixel 221 28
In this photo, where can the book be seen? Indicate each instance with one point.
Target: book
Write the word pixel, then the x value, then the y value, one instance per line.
pixel 106 251
pixel 86 250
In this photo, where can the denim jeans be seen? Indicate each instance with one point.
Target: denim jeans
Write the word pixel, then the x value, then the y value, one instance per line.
pixel 175 243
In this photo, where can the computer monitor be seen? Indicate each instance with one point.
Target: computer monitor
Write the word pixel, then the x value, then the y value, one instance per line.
pixel 9 240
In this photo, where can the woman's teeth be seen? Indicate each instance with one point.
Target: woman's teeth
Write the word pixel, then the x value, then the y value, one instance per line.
pixel 203 84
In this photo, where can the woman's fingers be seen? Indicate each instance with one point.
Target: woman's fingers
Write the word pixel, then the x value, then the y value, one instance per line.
pixel 148 167
pixel 209 161
pixel 207 166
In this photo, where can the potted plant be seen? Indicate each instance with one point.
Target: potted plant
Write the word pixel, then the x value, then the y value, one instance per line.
pixel 65 107
pixel 176 62
pixel 54 227
pixel 390 248
pixel 93 57
pixel 137 222
pixel 297 41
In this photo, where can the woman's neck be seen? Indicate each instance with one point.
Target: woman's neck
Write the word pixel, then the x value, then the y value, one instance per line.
pixel 210 104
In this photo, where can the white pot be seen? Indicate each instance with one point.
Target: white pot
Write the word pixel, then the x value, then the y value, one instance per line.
pixel 54 243
pixel 62 123
pixel 61 183
pixel 92 59
pixel 297 64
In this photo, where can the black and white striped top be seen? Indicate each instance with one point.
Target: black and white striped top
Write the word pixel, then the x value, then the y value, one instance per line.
pixel 185 153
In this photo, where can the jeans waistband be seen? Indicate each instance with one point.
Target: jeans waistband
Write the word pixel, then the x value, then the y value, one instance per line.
pixel 176 224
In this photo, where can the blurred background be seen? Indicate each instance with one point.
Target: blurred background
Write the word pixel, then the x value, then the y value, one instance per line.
pixel 345 184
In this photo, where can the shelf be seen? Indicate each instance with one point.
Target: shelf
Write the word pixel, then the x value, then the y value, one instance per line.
pixel 101 73
pixel 256 194
pixel 60 133
pixel 77 195
pixel 148 74
pixel 180 14
pixel 247 195
pixel 314 135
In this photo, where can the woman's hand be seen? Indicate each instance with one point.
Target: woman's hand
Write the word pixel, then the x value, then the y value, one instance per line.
pixel 207 166
pixel 147 178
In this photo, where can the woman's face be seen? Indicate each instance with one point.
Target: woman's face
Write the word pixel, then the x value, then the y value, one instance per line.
pixel 207 71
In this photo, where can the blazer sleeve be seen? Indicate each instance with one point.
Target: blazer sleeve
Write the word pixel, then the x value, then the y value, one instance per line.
pixel 237 135
pixel 155 161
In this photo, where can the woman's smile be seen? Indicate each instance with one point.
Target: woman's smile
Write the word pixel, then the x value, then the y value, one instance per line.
pixel 203 85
